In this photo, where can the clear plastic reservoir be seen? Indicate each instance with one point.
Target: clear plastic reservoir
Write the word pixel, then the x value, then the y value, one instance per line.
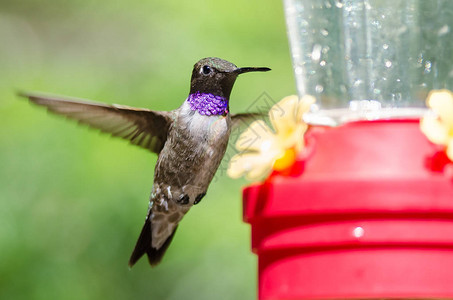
pixel 367 60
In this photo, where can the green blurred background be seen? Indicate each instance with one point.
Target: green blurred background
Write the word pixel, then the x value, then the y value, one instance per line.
pixel 72 200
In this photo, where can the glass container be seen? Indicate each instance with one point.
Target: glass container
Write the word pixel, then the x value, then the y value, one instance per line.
pixel 370 59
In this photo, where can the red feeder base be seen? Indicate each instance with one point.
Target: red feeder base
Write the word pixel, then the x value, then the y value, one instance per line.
pixel 370 216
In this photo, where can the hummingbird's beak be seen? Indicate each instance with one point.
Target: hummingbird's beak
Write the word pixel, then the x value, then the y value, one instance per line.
pixel 250 69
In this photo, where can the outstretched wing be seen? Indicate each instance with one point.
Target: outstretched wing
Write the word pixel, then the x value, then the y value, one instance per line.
pixel 142 127
pixel 245 119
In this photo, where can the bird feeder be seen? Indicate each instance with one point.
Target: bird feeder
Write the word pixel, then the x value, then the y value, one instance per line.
pixel 368 213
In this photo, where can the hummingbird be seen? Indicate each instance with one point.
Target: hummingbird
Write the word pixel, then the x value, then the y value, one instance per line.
pixel 190 142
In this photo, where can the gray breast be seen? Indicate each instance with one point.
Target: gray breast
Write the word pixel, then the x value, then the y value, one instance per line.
pixel 192 153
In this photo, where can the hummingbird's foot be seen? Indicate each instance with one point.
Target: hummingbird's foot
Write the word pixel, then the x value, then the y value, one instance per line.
pixel 198 198
pixel 183 199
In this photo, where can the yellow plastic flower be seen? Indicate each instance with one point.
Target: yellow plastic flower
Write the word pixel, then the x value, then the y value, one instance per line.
pixel 263 149
pixel 439 128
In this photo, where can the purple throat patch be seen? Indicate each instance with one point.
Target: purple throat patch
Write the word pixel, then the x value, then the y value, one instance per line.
pixel 208 104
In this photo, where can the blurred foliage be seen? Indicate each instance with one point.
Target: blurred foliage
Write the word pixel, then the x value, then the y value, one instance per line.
pixel 73 201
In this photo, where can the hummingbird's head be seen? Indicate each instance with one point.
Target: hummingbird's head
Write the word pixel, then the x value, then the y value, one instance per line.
pixel 216 76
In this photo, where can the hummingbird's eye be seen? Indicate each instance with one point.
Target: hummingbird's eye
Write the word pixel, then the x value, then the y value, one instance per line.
pixel 206 70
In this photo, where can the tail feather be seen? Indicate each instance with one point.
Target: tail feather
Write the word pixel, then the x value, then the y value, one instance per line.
pixel 144 246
